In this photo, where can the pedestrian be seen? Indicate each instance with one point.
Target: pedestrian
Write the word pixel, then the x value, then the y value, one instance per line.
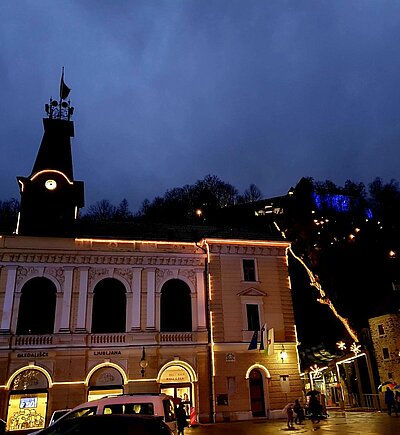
pixel 389 401
pixel 181 419
pixel 397 402
pixel 290 415
pixel 314 408
pixel 299 410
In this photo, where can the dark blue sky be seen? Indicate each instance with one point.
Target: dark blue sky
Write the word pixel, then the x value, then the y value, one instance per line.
pixel 165 92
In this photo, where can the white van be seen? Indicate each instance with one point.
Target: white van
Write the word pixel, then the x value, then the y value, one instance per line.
pixel 146 404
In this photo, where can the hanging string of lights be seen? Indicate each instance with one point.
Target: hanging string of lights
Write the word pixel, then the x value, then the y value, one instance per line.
pixel 323 299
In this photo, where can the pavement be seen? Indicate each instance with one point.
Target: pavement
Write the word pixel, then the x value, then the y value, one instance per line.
pixel 338 422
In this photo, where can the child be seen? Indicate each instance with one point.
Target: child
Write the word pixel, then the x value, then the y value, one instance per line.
pixel 298 409
pixel 290 415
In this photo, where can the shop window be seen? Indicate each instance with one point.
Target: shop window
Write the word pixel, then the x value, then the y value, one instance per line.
pixel 385 352
pixel 175 307
pixel 109 307
pixel 381 330
pixel 249 270
pixel 253 317
pixel 27 403
pixel 37 307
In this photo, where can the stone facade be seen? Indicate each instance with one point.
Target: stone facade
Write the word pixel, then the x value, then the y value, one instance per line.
pixel 385 335
pixel 210 362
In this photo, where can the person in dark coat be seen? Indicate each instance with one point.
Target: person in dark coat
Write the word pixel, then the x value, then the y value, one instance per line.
pixel 181 419
pixel 299 410
pixel 389 401
pixel 314 408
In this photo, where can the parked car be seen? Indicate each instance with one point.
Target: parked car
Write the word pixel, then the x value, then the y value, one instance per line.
pixel 109 424
pixel 158 405
pixel 58 414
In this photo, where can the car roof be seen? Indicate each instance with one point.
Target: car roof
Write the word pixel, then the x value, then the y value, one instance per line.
pixel 124 398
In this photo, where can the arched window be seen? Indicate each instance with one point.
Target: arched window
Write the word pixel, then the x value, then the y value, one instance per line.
pixel 37 307
pixel 175 307
pixel 109 307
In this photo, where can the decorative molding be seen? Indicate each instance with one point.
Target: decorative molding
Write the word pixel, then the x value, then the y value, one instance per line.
pixel 126 274
pixel 56 273
pixel 131 260
pixel 97 274
pixel 252 292
pixel 189 274
pixel 247 250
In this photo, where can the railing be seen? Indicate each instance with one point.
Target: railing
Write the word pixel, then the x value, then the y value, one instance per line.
pixel 372 401
pixel 33 340
pixel 176 337
pixel 70 340
pixel 107 338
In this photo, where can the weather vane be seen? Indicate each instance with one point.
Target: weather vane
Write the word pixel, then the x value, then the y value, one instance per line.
pixel 60 109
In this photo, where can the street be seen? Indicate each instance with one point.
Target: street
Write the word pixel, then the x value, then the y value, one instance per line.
pixel 366 423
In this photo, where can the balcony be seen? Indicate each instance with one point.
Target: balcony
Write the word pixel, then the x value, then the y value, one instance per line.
pixel 116 340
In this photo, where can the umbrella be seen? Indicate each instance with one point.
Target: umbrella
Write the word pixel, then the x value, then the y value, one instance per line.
pixel 385 385
pixel 313 393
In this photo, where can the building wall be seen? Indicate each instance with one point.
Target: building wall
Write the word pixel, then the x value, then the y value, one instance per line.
pixel 214 355
pixel 385 334
pixel 229 295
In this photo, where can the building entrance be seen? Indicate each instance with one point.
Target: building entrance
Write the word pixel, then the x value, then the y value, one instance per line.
pixel 257 394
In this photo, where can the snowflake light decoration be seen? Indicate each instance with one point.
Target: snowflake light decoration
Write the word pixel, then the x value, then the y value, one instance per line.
pixel 341 345
pixel 355 348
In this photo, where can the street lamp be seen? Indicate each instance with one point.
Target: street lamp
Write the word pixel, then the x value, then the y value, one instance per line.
pixel 143 363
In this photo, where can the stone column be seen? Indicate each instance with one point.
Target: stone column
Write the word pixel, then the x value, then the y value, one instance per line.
pixel 82 302
pixel 8 303
pixel 201 300
pixel 151 291
pixel 66 301
pixel 135 301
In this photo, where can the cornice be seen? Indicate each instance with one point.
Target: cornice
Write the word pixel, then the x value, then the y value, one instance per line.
pixel 115 260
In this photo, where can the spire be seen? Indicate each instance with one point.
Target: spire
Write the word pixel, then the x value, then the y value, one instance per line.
pixel 50 197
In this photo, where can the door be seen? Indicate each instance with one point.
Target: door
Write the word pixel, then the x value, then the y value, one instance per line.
pixel 257 394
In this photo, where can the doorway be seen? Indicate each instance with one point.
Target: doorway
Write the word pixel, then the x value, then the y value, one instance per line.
pixel 257 393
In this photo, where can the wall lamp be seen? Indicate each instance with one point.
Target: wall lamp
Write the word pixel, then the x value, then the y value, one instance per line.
pixel 283 354
pixel 143 363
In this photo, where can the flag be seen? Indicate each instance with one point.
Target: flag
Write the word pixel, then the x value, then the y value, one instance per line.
pixel 254 340
pixel 64 89
pixel 269 348
pixel 262 338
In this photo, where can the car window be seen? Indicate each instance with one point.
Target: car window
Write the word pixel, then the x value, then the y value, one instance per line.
pixel 82 412
pixel 130 408
pixel 169 411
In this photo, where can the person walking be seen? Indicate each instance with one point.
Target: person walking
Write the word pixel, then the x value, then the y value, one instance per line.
pixel 290 415
pixel 299 411
pixel 389 401
pixel 314 408
pixel 181 419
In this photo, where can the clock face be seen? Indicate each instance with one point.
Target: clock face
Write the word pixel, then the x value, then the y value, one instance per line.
pixel 50 184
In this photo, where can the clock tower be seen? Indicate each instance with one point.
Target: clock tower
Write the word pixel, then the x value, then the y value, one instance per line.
pixel 50 197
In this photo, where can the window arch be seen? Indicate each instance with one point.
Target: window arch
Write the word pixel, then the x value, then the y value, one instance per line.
pixel 175 307
pixel 37 307
pixel 109 307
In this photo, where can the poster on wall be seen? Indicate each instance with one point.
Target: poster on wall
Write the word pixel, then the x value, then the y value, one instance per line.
pixel 26 411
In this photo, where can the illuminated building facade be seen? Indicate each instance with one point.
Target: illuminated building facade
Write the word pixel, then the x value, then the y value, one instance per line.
pixel 84 317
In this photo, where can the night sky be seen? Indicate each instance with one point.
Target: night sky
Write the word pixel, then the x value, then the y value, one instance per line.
pixel 166 92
